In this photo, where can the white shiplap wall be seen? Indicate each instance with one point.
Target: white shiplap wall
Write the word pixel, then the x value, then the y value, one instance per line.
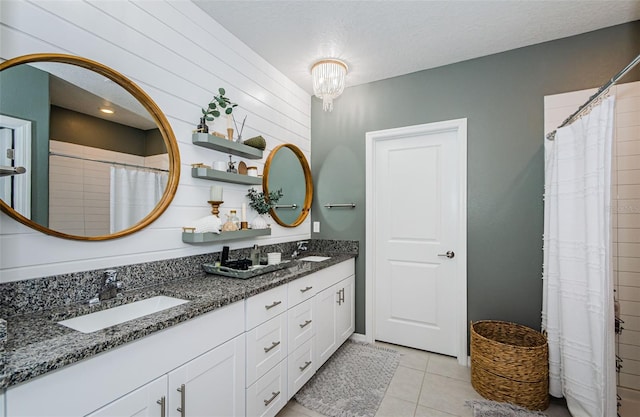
pixel 625 220
pixel 180 57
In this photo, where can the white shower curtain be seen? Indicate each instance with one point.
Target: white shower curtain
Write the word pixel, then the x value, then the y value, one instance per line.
pixel 578 290
pixel 134 194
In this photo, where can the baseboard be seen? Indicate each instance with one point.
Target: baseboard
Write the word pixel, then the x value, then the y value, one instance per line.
pixel 358 337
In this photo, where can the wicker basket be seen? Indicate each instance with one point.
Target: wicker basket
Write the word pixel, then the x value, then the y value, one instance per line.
pixel 510 363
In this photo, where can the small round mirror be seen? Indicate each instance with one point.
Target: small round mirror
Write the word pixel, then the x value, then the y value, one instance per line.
pixel 287 169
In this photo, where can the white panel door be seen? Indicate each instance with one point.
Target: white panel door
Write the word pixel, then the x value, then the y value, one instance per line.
pixel 416 213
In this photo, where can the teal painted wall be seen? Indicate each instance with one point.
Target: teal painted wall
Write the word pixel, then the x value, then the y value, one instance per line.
pixel 502 98
pixel 24 94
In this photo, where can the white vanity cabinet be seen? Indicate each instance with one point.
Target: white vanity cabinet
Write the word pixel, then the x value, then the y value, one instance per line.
pixel 206 354
pixel 334 309
pixel 245 359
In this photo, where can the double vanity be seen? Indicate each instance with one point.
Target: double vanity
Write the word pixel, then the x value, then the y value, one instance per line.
pixel 234 348
pixel 177 341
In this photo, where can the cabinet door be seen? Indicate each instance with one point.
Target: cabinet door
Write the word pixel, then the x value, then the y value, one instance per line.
pixel 210 385
pixel 148 401
pixel 324 310
pixel 345 316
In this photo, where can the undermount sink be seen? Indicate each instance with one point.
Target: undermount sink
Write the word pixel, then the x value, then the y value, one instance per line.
pixel 314 258
pixel 117 315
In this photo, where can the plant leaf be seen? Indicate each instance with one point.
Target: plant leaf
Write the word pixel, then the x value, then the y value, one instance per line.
pixel 209 118
pixel 215 113
pixel 221 91
pixel 229 110
pixel 212 105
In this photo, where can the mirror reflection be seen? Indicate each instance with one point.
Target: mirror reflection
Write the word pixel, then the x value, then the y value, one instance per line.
pixel 287 169
pixel 99 157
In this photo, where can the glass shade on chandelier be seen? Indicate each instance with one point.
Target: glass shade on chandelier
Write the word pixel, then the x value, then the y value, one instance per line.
pixel 328 80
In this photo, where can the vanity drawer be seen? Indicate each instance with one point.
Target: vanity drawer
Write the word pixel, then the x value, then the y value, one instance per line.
pixel 265 306
pixel 301 367
pixel 301 326
pixel 266 347
pixel 302 289
pixel 334 274
pixel 268 395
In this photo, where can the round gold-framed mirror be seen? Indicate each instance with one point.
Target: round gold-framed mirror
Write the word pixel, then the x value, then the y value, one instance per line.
pixel 287 169
pixel 79 157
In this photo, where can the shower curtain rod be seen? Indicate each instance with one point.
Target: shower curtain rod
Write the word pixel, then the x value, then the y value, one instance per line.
pixel 601 91
pixel 107 162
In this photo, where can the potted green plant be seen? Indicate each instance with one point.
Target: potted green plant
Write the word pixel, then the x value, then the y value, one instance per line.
pixel 262 203
pixel 217 106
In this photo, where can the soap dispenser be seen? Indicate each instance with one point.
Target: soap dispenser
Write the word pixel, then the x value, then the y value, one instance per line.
pixel 255 255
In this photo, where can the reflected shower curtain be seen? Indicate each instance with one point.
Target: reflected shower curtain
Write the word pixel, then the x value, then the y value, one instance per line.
pixel 134 194
pixel 578 290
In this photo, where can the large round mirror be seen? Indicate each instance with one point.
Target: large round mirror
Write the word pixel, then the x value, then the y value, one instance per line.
pixel 287 169
pixel 84 152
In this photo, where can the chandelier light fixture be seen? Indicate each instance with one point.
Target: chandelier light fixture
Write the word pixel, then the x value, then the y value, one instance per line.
pixel 328 80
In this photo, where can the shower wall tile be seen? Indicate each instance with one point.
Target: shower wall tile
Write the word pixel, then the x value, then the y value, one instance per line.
pixel 629 279
pixel 631 323
pixel 627 133
pixel 632 367
pixel 630 220
pixel 630 337
pixel 629 235
pixel 628 162
pixel 627 191
pixel 631 147
pixel 629 294
pixel 628 249
pixel 631 176
pixel 629 308
pixel 627 119
pixel 629 351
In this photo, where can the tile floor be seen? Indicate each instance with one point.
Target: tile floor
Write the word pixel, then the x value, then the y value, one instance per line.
pixel 424 385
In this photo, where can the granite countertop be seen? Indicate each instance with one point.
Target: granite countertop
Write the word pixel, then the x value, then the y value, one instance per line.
pixel 36 344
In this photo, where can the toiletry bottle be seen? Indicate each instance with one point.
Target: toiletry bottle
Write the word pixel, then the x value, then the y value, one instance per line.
pixel 233 217
pixel 255 255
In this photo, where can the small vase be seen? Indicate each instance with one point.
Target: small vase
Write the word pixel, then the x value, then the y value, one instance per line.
pixel 202 127
pixel 259 222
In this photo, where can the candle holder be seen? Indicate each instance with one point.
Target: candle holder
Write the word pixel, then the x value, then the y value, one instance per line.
pixel 215 207
pixel 244 225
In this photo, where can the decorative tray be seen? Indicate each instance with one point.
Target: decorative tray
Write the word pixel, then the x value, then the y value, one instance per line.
pixel 253 271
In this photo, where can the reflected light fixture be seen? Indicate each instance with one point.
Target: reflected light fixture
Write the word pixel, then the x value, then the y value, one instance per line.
pixel 106 110
pixel 328 80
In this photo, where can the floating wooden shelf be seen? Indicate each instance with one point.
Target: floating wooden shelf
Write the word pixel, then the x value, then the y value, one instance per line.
pixel 220 237
pixel 212 174
pixel 223 145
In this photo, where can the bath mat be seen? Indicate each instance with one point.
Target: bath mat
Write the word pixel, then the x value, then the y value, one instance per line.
pixel 352 382
pixel 486 408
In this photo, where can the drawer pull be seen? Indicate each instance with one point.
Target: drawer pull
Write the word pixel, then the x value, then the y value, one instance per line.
pixel 273 397
pixel 305 324
pixel 163 404
pixel 303 290
pixel 275 303
pixel 181 409
pixel 306 365
pixel 273 345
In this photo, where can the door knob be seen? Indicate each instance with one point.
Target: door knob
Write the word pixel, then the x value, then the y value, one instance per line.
pixel 450 254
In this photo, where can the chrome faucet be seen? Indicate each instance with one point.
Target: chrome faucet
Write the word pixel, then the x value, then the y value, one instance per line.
pixel 110 285
pixel 301 246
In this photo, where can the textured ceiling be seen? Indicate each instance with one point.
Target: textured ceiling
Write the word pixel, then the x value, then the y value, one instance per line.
pixel 382 39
